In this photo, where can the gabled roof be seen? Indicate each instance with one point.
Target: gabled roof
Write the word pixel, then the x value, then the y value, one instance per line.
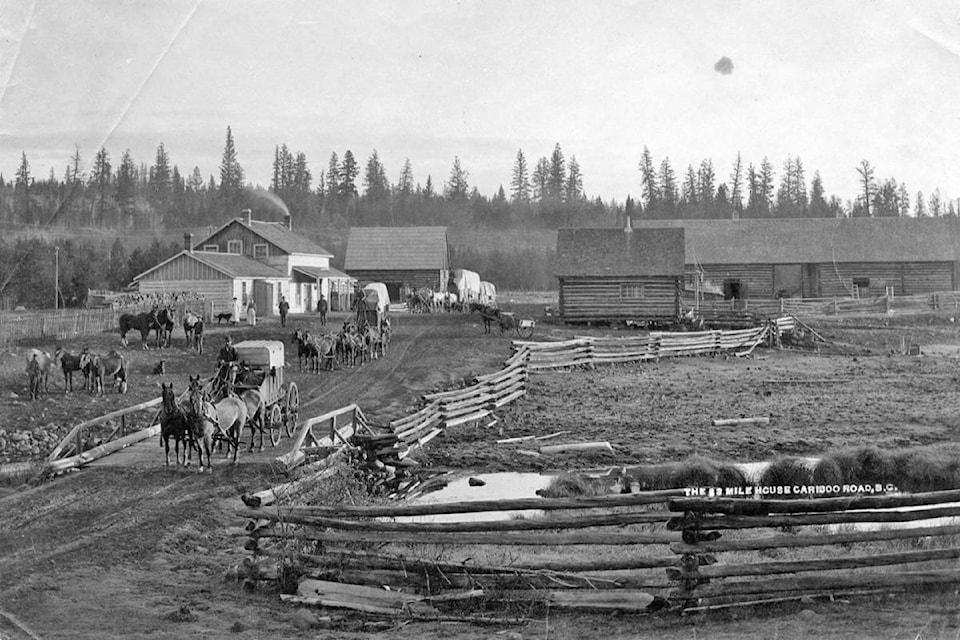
pixel 277 234
pixel 396 248
pixel 817 240
pixel 320 272
pixel 618 252
pixel 229 264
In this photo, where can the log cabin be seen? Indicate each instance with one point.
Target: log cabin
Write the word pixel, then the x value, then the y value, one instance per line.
pixel 414 257
pixel 620 274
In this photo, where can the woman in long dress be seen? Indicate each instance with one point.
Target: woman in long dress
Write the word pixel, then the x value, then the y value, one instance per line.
pixel 251 313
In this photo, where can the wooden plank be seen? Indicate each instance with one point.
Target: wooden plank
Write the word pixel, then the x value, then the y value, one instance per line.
pixel 850 580
pixel 749 506
pixel 575 538
pixel 750 522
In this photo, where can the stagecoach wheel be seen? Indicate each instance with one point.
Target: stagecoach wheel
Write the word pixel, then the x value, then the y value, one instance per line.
pixel 274 420
pixel 525 328
pixel 293 408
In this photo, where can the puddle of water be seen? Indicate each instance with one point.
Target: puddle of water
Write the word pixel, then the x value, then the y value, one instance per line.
pixel 499 486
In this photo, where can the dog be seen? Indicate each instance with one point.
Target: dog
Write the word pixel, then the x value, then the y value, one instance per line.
pixel 224 316
pixel 160 369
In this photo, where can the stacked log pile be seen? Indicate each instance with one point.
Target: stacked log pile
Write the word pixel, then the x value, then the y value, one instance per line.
pixel 435 563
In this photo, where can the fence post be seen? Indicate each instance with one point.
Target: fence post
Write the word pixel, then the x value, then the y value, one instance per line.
pixel 123 425
pixel 782 306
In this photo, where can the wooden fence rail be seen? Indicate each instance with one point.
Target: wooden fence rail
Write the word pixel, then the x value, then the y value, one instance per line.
pixel 941 300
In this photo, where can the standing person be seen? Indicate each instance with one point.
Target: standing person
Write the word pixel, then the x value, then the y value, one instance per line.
pixel 236 312
pixel 284 307
pixel 252 313
pixel 322 309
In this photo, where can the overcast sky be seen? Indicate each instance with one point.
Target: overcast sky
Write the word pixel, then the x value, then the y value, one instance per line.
pixel 831 82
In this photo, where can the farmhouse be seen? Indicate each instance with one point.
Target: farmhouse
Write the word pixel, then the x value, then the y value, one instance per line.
pixel 246 259
pixel 821 258
pixel 399 256
pixel 620 274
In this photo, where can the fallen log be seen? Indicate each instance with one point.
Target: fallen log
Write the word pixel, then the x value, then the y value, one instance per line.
pixel 496 539
pixel 579 446
pixel 752 522
pixel 725 422
pixel 478 506
pixel 580 522
pixel 852 580
pixel 747 506
pixel 517 439
pixel 782 542
pixel 799 566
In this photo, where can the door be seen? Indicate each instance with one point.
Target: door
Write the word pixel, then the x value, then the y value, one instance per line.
pixel 263 297
pixel 787 281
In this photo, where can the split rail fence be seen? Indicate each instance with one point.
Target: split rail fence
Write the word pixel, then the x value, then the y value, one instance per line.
pixel 634 552
pixel 942 300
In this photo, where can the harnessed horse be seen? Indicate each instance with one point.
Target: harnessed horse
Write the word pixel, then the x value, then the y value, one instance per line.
pixel 173 424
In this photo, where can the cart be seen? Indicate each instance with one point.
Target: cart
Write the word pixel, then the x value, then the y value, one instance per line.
pixel 506 320
pixel 262 363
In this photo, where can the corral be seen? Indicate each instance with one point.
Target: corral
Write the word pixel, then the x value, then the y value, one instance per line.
pixel 154 543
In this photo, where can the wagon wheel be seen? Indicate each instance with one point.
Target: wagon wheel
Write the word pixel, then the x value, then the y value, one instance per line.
pixel 525 328
pixel 293 408
pixel 274 420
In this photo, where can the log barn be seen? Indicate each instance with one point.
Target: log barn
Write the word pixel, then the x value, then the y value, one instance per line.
pixel 611 275
pixel 399 256
pixel 820 258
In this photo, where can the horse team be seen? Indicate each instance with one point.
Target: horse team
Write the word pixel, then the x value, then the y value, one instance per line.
pixel 354 344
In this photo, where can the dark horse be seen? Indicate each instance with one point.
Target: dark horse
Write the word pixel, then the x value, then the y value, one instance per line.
pixel 487 313
pixel 164 327
pixel 142 322
pixel 173 424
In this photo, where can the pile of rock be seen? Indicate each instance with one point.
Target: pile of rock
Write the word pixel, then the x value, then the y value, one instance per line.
pixel 17 444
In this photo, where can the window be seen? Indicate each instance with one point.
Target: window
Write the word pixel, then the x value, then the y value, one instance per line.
pixel 214 248
pixel 632 291
pixel 234 246
pixel 260 251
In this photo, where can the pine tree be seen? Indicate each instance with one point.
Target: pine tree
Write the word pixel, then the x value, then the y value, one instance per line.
pixel 405 183
pixel 904 198
pixel 668 187
pixel 818 203
pixel 520 182
pixel 690 193
pixel 736 185
pixel 648 178
pixel 376 185
pixel 457 186
pixel 935 204
pixel 22 187
pixel 558 174
pixel 921 210
pixel 867 184
pixel 540 180
pixel 231 175
pixel 348 176
pixel 706 182
pixel 100 181
pixel 574 189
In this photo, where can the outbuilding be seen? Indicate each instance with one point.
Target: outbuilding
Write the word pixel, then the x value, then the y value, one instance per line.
pixel 611 275
pixel 413 257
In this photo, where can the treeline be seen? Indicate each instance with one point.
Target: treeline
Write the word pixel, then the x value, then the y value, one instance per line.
pixel 547 193
pixel 32 269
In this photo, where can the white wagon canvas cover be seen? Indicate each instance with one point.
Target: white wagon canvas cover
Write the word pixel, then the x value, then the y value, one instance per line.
pixel 261 353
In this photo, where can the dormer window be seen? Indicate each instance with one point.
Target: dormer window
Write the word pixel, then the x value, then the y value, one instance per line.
pixel 212 248
pixel 260 251
pixel 234 246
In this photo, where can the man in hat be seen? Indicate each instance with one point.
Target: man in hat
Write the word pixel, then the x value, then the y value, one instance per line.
pixel 284 307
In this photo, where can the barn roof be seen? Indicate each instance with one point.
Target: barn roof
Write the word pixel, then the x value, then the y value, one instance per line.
pixel 275 233
pixel 618 252
pixel 816 240
pixel 229 264
pixel 396 248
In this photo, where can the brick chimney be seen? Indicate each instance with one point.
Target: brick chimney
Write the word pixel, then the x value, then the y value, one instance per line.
pixel 188 242
pixel 247 216
pixel 288 221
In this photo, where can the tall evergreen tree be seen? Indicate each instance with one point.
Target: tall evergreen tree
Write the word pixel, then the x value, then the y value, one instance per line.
pixel 867 185
pixel 540 180
pixel 574 188
pixel 520 181
pixel 376 185
pixel 231 176
pixel 668 188
pixel 648 178
pixel 706 182
pixel 405 183
pixel 921 210
pixel 457 186
pixel 348 176
pixel 100 181
pixel 22 187
pixel 818 203
pixel 736 185
pixel 558 174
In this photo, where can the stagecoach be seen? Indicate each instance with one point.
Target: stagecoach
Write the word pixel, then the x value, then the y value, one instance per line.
pixel 261 368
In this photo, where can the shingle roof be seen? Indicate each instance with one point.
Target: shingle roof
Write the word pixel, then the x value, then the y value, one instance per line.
pixel 229 264
pixel 318 272
pixel 396 248
pixel 237 266
pixel 277 234
pixel 813 240
pixel 616 252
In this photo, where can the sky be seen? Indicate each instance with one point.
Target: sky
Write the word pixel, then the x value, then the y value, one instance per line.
pixel 831 82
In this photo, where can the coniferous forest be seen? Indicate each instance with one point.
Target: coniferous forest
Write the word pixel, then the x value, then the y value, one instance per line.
pixel 106 218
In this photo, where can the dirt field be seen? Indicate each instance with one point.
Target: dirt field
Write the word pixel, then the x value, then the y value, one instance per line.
pixel 139 550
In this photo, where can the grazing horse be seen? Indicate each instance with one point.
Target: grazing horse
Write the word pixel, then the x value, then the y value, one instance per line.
pixel 45 363
pixel 142 322
pixel 202 423
pixel 256 414
pixel 173 424
pixel 69 363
